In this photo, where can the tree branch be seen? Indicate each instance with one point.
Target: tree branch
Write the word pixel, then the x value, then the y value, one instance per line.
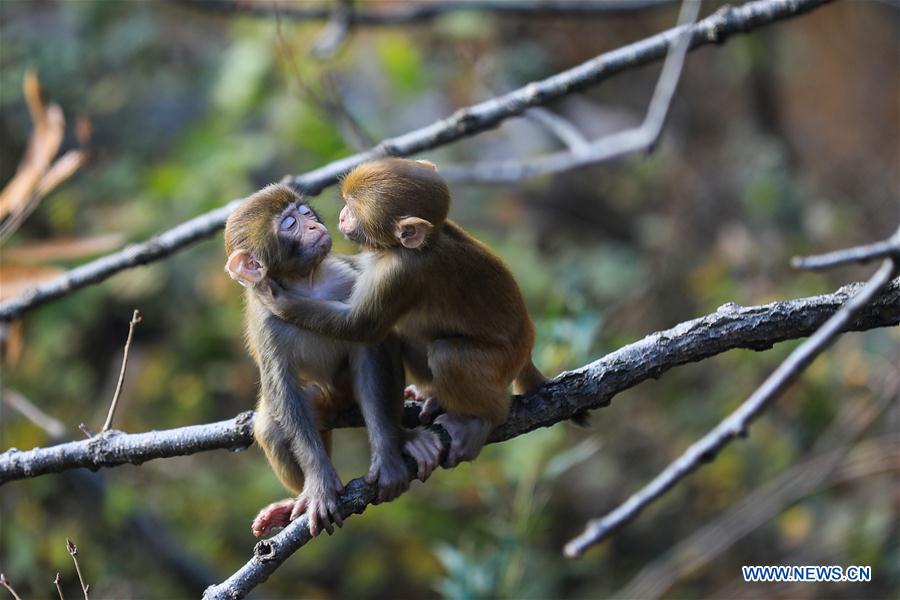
pixel 592 386
pixel 418 12
pixel 466 122
pixel 738 422
pixel 636 139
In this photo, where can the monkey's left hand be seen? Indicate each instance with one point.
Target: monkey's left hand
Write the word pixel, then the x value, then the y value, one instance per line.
pixel 389 470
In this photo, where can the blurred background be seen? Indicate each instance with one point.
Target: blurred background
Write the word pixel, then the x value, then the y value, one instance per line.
pixel 779 143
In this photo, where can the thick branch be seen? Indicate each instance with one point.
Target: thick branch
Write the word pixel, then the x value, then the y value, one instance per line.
pixel 464 123
pixel 417 12
pixel 592 386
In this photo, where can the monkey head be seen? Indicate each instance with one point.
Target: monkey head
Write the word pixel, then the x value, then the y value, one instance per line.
pixel 394 202
pixel 274 233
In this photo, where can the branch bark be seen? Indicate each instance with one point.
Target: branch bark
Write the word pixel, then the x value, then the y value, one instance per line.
pixel 466 122
pixel 592 386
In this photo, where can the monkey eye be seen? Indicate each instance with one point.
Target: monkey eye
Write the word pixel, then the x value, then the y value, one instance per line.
pixel 288 223
pixel 306 211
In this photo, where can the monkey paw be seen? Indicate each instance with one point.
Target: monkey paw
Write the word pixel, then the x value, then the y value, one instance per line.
pixel 467 436
pixel 424 447
pixel 277 514
pixel 319 500
pixel 389 470
pixel 429 404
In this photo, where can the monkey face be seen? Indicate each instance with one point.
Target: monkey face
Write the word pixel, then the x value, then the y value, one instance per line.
pixel 303 239
pixel 349 225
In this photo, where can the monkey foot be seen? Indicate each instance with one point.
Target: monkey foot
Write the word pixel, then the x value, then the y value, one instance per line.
pixel 319 500
pixel 467 436
pixel 388 469
pixel 424 447
pixel 277 514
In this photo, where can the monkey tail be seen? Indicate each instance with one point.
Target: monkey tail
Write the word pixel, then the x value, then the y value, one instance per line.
pixel 530 378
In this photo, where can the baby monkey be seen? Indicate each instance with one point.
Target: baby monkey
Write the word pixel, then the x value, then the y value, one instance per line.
pixel 466 331
pixel 276 239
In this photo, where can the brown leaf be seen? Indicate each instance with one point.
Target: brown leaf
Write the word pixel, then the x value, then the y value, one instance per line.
pixel 63 248
pixel 15 280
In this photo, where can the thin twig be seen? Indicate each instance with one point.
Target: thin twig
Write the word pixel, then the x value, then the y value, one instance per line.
pixel 335 31
pixel 826 464
pixel 736 424
pixel 5 583
pixel 889 248
pixel 53 427
pixel 465 122
pixel 616 145
pixel 73 552
pixel 58 588
pixel 561 128
pixel 135 319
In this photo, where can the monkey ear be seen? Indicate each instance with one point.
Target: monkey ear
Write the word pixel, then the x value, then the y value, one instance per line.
pixel 428 163
pixel 245 269
pixel 413 232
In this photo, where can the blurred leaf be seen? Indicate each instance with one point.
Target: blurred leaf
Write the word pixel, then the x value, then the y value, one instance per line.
pixel 64 248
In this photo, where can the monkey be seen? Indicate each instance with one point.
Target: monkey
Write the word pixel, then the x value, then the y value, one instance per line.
pixel 275 237
pixel 463 321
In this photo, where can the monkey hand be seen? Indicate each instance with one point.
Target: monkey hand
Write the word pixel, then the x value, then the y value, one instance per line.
pixel 467 436
pixel 389 470
pixel 319 500
pixel 277 514
pixel 430 406
pixel 424 447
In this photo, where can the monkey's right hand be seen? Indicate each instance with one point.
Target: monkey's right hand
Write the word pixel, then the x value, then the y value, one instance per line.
pixel 424 447
pixel 319 500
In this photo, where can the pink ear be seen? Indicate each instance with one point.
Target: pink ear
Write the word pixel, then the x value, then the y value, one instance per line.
pixel 427 163
pixel 245 269
pixel 413 232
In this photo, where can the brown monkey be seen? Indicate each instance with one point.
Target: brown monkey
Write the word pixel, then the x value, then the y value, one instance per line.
pixel 275 238
pixel 462 318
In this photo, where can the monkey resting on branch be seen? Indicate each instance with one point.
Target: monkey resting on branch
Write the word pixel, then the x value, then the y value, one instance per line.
pixel 276 239
pixel 460 315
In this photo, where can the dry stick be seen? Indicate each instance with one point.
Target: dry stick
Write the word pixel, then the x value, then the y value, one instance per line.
pixel 465 122
pixel 889 248
pixel 736 424
pixel 817 471
pixel 135 319
pixel 416 12
pixel 643 137
pixel 58 588
pixel 8 587
pixel 589 387
pixel 73 552
pixel 335 32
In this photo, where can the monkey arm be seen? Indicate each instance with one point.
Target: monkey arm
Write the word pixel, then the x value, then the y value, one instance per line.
pixel 374 308
pixel 289 405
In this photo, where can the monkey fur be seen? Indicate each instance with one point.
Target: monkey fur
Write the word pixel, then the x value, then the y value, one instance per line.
pixel 275 238
pixel 465 328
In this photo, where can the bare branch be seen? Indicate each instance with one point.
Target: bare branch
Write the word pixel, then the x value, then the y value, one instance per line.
pixel 417 12
pixel 52 426
pixel 466 122
pixel 73 552
pixel 592 386
pixel 135 319
pixel 889 248
pixel 561 128
pixel 637 139
pixel 335 31
pixel 737 423
pixel 5 583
